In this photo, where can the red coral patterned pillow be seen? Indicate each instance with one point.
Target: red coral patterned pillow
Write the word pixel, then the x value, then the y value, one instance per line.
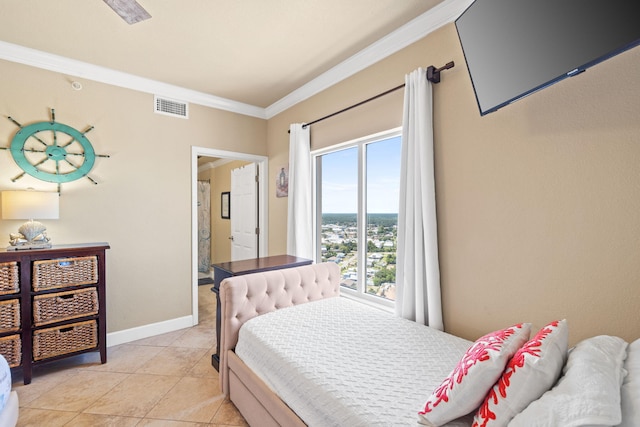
pixel 533 370
pixel 480 367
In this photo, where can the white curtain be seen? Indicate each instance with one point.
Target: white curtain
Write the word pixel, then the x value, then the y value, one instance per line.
pixel 418 274
pixel 299 225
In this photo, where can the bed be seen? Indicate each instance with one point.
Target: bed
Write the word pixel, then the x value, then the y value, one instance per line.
pixel 295 353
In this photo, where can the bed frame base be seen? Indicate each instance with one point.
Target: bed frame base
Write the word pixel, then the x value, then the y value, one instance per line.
pixel 255 401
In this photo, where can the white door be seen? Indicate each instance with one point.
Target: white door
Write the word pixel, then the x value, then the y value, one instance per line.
pixel 244 212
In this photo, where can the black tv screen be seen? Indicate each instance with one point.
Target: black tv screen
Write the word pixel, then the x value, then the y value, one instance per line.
pixel 516 47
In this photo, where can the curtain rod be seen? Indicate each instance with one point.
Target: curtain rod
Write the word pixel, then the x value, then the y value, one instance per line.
pixel 433 75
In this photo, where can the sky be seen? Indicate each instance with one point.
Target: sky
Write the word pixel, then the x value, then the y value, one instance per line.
pixel 340 178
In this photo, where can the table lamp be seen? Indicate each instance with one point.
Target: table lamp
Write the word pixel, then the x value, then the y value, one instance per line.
pixel 30 205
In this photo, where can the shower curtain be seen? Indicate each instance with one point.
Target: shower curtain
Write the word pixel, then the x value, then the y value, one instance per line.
pixel 204 227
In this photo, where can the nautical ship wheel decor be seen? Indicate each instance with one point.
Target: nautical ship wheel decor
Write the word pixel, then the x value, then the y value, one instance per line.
pixel 53 152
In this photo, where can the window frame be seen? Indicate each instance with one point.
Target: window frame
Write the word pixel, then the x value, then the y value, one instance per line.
pixel 316 155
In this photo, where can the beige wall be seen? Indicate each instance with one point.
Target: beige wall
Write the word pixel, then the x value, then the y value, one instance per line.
pixel 537 203
pixel 142 205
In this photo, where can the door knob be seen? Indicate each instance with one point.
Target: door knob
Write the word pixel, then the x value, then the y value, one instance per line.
pixel 231 238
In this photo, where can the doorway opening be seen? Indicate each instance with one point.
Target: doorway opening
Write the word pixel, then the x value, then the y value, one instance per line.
pixel 262 166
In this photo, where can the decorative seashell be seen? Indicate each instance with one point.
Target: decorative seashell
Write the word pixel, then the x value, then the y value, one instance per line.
pixel 16 239
pixel 32 229
pixel 40 238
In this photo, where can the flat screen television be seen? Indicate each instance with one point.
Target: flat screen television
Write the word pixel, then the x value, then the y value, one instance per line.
pixel 516 47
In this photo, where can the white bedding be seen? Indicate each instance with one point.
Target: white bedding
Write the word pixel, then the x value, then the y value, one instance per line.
pixel 9 414
pixel 337 362
pixel 8 399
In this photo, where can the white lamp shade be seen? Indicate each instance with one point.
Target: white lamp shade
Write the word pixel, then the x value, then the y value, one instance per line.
pixel 30 205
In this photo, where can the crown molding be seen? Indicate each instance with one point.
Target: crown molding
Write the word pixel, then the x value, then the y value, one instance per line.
pixel 48 61
pixel 414 30
pixel 418 28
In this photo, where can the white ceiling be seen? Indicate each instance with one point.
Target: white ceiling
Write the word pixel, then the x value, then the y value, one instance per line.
pixel 255 52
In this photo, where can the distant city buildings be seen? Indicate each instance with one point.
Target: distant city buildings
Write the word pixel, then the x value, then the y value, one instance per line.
pixel 339 244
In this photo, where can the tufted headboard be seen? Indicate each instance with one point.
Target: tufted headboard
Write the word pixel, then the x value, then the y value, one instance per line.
pixel 245 297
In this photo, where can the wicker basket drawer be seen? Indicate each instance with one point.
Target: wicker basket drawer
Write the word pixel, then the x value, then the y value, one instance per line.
pixel 62 272
pixel 50 308
pixel 65 339
pixel 9 315
pixel 9 278
pixel 11 349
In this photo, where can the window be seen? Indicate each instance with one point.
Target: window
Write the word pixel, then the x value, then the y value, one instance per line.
pixel 357 196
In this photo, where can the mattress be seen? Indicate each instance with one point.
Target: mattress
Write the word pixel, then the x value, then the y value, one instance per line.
pixel 338 362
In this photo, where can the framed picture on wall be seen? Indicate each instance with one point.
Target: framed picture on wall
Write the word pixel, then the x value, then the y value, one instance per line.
pixel 225 205
pixel 282 182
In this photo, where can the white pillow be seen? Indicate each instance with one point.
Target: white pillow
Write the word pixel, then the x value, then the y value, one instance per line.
pixel 533 370
pixel 630 391
pixel 465 387
pixel 5 382
pixel 589 391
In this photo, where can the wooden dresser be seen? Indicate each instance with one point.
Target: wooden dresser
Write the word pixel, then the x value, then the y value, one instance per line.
pixel 238 268
pixel 52 304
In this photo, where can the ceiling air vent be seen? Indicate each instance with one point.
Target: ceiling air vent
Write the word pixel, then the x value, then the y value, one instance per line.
pixel 171 107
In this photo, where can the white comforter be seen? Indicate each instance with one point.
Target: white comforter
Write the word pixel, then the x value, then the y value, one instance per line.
pixel 337 362
pixel 8 399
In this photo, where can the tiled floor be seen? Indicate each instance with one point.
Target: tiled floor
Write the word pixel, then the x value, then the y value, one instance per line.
pixel 165 380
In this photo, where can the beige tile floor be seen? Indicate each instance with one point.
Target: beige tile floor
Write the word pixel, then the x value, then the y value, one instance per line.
pixel 160 381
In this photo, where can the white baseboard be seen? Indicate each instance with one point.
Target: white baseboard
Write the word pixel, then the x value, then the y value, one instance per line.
pixel 146 331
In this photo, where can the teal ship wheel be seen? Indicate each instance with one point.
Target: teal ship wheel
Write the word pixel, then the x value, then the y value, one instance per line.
pixel 53 152
pixel 33 149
